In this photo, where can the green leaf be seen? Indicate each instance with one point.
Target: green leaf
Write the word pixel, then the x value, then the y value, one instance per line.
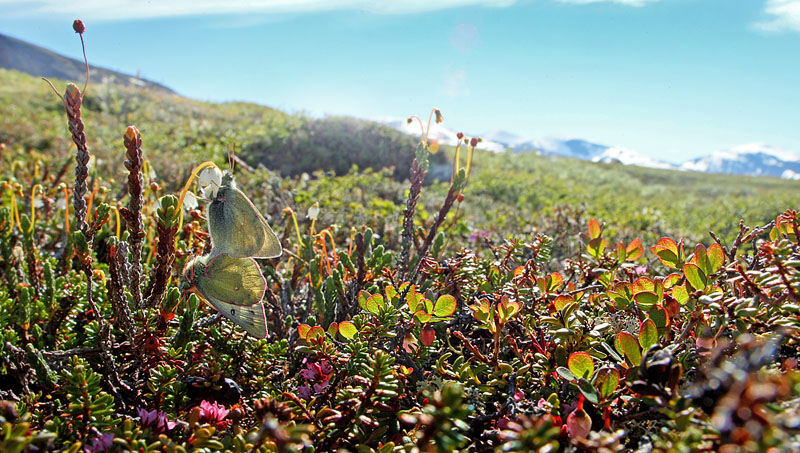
pixel 565 373
pixel 630 347
pixel 716 258
pixel 594 229
pixel 680 294
pixel 362 300
pixel 660 317
pixel 646 299
pixel 634 251
pixel 414 300
pixel 596 246
pixel 701 258
pixel 581 364
pixel 588 391
pixel 375 303
pixel 333 328
pixel 422 316
pixel 667 252
pixel 315 332
pixel 648 334
pixel 428 304
pixel 445 306
pixel 347 329
pixel 695 276
pixel 607 381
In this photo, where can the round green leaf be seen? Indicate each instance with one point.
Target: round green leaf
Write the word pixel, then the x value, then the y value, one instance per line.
pixel 581 364
pixel 648 334
pixel 347 329
pixel 445 306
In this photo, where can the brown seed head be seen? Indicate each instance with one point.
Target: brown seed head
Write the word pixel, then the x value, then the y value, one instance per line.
pixel 460 135
pixel 78 26
pixel 439 117
pixel 73 92
pixel 474 142
pixel 131 133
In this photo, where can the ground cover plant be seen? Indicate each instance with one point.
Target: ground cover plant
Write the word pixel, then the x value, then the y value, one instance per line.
pixel 487 312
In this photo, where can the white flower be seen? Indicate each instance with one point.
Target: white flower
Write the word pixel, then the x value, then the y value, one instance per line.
pixel 61 204
pixel 38 203
pixel 210 180
pixel 313 211
pixel 152 173
pixel 157 204
pixel 189 201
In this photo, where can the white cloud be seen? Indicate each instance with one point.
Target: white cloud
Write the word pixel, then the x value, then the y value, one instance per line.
pixel 784 15
pixel 621 2
pixel 137 9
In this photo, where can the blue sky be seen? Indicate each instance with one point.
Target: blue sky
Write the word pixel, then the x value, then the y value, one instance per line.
pixel 672 79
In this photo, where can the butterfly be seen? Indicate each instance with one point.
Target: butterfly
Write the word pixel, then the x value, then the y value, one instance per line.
pixel 236 227
pixel 233 286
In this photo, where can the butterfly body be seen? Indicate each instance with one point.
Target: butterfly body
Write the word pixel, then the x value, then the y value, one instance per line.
pixel 233 286
pixel 236 226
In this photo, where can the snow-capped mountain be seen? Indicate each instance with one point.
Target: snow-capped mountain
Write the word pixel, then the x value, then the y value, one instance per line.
pixel 752 159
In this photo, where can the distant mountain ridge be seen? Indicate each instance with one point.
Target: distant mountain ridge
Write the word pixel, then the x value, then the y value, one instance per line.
pixel 754 159
pixel 37 61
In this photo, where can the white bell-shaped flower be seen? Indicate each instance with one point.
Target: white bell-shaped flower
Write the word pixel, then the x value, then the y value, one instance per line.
pixel 210 180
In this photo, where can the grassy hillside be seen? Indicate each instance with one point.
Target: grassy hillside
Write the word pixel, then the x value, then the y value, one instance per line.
pixel 508 193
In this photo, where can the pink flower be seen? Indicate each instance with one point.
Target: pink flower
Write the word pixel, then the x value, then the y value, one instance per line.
pixel 98 444
pixel 214 414
pixel 319 373
pixel 519 395
pixel 304 391
pixel 156 421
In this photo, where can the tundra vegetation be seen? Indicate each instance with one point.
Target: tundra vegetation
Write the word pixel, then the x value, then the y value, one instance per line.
pixel 427 299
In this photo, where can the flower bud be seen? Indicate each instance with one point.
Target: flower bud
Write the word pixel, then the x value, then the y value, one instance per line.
pixel 78 26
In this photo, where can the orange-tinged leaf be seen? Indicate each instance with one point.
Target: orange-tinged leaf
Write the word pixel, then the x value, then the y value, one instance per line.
pixel 315 332
pixel 333 329
pixel 630 347
pixel 594 229
pixel 643 284
pixel 414 301
pixel 695 276
pixel 596 246
pixel 701 258
pixel 302 330
pixel 422 316
pixel 621 254
pixel 607 381
pixel 671 280
pixel 716 258
pixel 375 303
pixel 648 334
pixel 562 301
pixel 668 252
pixel 554 281
pixel 635 250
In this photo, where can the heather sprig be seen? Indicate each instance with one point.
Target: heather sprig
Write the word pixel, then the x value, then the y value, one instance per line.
pixel 132 213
